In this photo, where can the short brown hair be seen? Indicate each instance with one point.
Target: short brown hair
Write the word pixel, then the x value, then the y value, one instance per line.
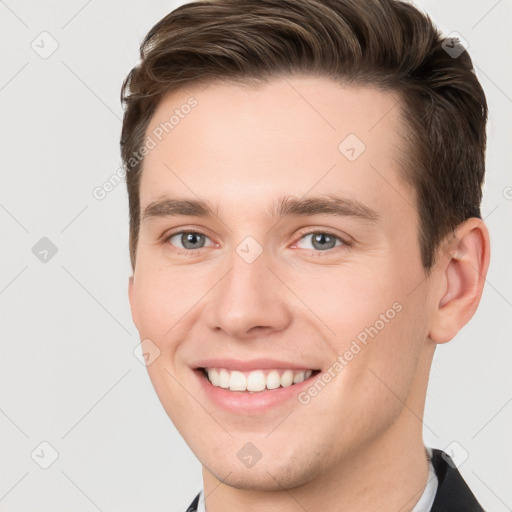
pixel 387 44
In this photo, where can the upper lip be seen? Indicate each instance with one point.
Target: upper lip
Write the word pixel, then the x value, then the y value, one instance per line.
pixel 254 364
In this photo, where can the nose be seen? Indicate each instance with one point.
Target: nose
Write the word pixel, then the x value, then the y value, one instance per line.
pixel 249 301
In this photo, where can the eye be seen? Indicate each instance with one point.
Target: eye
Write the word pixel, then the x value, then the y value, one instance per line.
pixel 189 240
pixel 322 240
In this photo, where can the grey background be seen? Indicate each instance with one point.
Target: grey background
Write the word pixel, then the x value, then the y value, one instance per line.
pixel 69 376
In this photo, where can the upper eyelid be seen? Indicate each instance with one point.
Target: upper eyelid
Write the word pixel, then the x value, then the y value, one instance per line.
pixel 345 239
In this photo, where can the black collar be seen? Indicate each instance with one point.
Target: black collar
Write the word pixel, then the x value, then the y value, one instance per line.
pixel 453 494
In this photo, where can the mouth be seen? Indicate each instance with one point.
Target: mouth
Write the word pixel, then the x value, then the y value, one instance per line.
pixel 256 381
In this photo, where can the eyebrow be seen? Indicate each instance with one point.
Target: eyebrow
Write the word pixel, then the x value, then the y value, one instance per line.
pixel 286 206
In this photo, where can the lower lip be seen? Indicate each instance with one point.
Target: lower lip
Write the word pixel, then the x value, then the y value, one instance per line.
pixel 247 403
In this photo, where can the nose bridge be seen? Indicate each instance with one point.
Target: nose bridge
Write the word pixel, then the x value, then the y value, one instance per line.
pixel 247 296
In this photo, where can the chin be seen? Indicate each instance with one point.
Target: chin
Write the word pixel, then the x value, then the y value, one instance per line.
pixel 270 475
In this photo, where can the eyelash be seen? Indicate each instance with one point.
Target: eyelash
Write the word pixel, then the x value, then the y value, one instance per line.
pixel 302 234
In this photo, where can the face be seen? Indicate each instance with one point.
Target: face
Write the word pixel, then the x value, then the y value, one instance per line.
pixel 278 249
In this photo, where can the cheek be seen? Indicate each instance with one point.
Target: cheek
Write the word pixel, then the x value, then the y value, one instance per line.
pixel 374 330
pixel 371 381
pixel 346 301
pixel 161 301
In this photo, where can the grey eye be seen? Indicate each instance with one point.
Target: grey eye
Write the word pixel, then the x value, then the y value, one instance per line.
pixel 189 240
pixel 321 240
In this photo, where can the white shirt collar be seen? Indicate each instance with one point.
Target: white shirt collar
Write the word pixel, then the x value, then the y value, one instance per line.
pixel 200 504
pixel 426 500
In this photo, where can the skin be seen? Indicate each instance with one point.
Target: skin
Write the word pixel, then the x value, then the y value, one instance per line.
pixel 242 148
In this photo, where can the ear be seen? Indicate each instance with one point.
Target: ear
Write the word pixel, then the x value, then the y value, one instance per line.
pixel 132 301
pixel 463 263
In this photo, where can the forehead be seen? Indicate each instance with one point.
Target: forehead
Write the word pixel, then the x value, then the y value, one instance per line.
pixel 289 136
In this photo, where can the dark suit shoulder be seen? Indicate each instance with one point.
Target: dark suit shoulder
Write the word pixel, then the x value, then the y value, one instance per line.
pixel 193 506
pixel 453 494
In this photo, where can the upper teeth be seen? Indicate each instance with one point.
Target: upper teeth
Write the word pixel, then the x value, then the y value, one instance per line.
pixel 257 380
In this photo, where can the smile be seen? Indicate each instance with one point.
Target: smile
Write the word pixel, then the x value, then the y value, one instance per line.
pixel 256 380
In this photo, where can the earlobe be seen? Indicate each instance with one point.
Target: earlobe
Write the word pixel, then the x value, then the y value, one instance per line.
pixel 463 263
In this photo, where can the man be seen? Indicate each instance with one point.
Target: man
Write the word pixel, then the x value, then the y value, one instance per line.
pixel 304 183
